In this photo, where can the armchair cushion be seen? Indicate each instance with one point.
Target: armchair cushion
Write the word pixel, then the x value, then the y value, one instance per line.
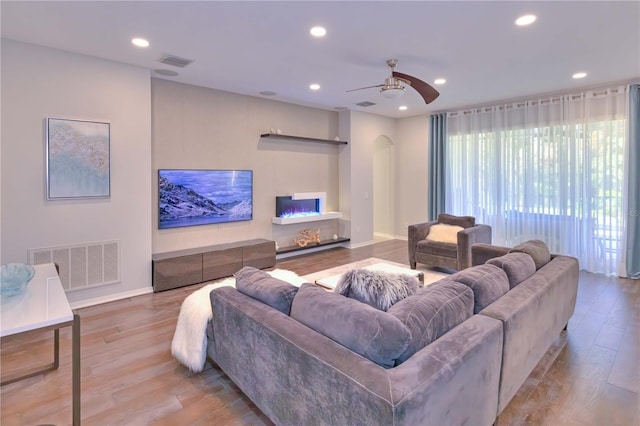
pixel 438 248
pixel 444 233
pixel 464 221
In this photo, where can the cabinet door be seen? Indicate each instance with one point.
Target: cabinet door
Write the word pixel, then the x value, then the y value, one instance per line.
pixel 261 255
pixel 177 272
pixel 221 263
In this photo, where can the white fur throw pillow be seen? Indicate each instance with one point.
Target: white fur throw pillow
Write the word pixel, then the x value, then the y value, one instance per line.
pixel 376 288
pixel 444 233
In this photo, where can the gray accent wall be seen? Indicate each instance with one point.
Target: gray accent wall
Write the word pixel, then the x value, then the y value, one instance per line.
pixel 200 128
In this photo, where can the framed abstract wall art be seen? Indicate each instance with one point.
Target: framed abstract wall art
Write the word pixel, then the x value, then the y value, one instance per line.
pixel 78 159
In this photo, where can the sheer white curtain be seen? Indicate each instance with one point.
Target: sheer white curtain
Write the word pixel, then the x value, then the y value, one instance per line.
pixel 549 169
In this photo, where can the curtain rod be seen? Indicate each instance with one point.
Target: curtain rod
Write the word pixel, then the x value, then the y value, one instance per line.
pixel 534 102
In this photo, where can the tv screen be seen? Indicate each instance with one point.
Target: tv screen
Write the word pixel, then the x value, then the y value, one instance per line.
pixel 202 197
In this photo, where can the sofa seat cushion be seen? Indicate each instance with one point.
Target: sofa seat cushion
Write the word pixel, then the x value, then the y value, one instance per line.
pixel 369 332
pixel 444 233
pixel 431 312
pixel 488 283
pixel 537 249
pixel 376 288
pixel 517 266
pixel 437 248
pixel 263 287
pixel 464 221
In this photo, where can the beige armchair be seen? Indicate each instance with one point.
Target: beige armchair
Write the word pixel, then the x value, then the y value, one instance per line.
pixel 447 245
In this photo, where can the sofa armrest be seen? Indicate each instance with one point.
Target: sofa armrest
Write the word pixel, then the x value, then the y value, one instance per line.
pixel 468 237
pixel 481 252
pixel 416 233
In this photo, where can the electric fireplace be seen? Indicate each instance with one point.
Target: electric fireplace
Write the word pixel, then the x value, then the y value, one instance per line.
pixel 287 207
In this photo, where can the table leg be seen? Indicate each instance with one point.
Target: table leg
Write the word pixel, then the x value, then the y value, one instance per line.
pixel 56 348
pixel 34 371
pixel 75 368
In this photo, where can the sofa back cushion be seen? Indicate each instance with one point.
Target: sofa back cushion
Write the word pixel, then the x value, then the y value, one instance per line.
pixel 376 288
pixel 517 266
pixel 488 283
pixel 263 287
pixel 464 221
pixel 431 312
pixel 367 331
pixel 537 249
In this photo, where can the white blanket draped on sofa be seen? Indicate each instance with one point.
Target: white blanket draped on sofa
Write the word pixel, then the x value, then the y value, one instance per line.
pixel 189 344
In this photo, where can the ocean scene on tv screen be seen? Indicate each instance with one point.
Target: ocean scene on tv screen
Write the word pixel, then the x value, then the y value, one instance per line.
pixel 201 197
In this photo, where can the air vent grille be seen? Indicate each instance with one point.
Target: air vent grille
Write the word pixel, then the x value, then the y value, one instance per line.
pixel 365 104
pixel 175 61
pixel 82 265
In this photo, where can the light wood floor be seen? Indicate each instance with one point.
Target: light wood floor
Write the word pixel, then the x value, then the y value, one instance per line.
pixel 589 377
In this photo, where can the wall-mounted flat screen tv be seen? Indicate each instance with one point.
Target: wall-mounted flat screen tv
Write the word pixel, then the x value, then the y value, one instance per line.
pixel 202 197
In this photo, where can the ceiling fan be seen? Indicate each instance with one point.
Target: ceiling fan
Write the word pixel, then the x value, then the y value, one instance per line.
pixel 392 87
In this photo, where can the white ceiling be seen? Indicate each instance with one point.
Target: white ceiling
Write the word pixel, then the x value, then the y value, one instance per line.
pixel 249 47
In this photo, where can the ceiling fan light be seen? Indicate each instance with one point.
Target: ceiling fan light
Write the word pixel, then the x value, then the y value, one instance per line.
pixel 392 92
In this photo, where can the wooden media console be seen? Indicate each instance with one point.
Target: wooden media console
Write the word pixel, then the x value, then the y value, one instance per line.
pixel 191 266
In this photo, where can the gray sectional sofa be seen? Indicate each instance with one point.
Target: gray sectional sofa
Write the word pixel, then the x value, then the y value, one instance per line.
pixel 452 353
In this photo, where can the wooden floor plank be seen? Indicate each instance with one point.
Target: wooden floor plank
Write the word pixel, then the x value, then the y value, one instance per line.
pixel 588 377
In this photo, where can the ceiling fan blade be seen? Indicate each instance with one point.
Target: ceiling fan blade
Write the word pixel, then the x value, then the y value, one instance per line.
pixel 368 87
pixel 428 93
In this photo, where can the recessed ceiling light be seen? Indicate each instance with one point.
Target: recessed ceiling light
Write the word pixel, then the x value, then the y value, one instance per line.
pixel 318 31
pixel 140 42
pixel 268 93
pixel 440 81
pixel 314 86
pixel 402 108
pixel 525 20
pixel 580 75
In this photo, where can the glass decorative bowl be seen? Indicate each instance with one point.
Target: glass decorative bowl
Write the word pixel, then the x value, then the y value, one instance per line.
pixel 14 278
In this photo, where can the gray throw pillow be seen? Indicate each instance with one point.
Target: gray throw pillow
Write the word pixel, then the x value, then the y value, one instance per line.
pixel 376 288
pixel 488 283
pixel 263 287
pixel 464 221
pixel 537 249
pixel 517 266
pixel 431 312
pixel 371 333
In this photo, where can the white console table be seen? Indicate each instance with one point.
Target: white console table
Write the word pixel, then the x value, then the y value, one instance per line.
pixel 43 305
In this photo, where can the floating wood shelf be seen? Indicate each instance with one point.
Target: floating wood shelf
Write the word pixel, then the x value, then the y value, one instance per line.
pixel 301 138
pixel 302 219
pixel 311 246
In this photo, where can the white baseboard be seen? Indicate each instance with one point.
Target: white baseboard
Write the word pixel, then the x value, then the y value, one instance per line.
pixel 357 245
pixel 390 237
pixel 110 298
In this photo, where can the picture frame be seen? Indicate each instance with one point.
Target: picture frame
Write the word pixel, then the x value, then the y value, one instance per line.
pixel 78 158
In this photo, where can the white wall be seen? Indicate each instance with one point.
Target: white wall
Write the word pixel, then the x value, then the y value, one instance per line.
pixel 384 205
pixel 200 128
pixel 38 82
pixel 364 129
pixel 412 191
